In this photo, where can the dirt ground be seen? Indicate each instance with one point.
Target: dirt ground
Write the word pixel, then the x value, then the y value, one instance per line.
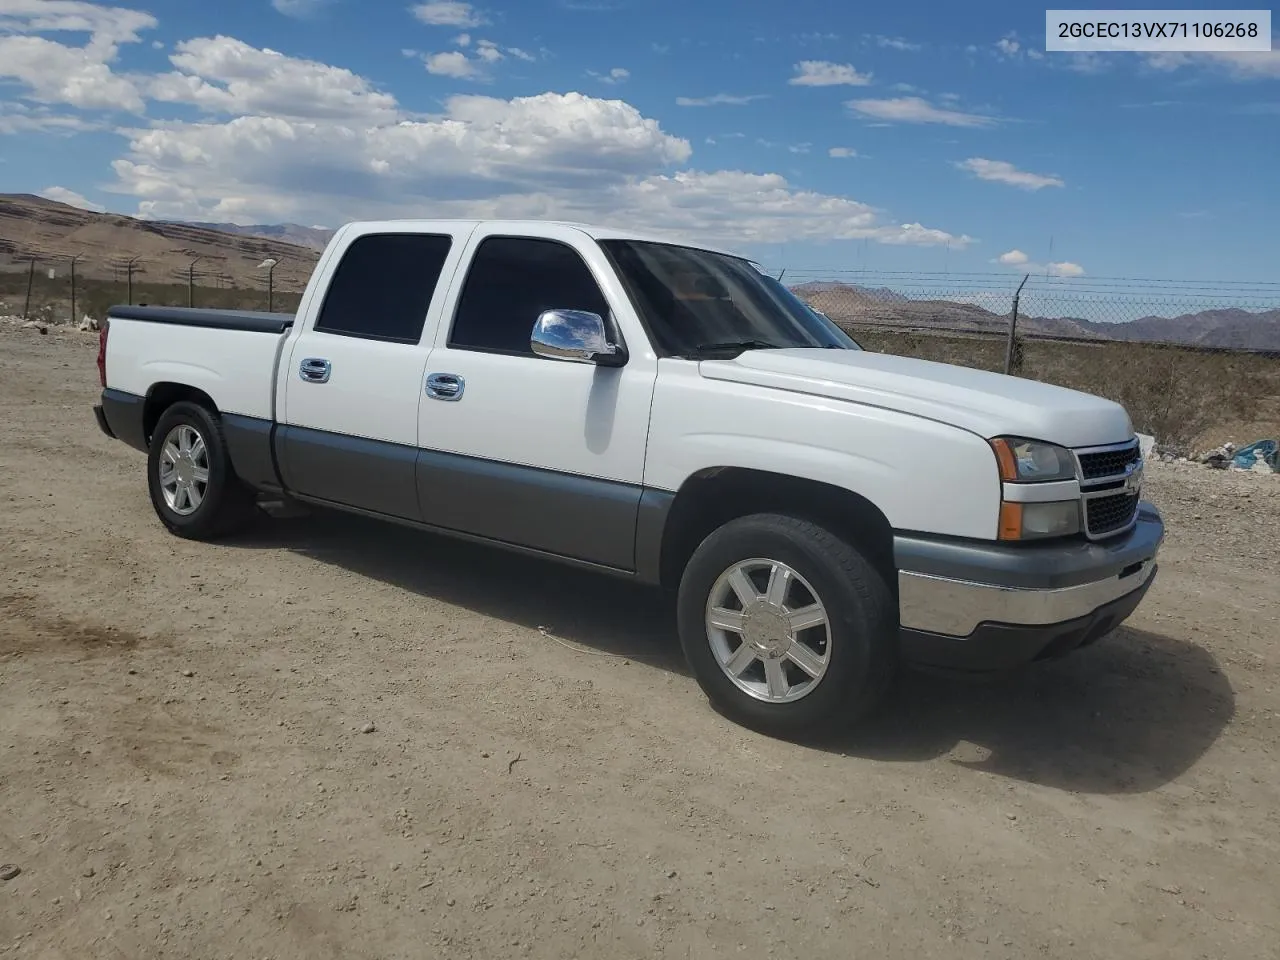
pixel 183 771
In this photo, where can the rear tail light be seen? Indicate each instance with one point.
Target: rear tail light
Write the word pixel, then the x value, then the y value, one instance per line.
pixel 102 352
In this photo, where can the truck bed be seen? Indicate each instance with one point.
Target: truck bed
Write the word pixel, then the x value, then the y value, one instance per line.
pixel 229 355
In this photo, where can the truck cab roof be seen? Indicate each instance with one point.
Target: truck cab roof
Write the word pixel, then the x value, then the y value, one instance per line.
pixel 531 227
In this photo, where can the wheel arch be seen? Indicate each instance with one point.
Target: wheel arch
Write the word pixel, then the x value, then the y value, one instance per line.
pixel 713 496
pixel 161 396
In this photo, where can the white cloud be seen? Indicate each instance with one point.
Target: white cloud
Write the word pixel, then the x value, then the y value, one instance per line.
pixel 57 73
pixel 18 118
pixel 448 13
pixel 1064 269
pixel 916 110
pixel 1238 65
pixel 896 43
pixel 616 75
pixel 462 40
pixel 108 27
pixel 224 75
pixel 452 64
pixel 717 99
pixel 1008 46
pixel 486 53
pixel 823 73
pixel 566 156
pixel 842 152
pixel 71 198
pixel 1016 258
pixel 1001 171
pixel 301 9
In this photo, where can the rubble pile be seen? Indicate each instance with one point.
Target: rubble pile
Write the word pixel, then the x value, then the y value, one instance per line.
pixel 1261 456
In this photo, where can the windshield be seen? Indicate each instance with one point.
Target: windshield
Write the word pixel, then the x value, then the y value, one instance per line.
pixel 696 303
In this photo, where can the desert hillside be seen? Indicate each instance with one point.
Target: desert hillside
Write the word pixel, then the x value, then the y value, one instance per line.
pixel 54 232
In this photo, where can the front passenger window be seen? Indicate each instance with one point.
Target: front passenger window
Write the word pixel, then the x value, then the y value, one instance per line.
pixel 511 281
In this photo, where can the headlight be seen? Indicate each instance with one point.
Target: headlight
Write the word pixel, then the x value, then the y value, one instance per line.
pixel 1028 461
pixel 1035 521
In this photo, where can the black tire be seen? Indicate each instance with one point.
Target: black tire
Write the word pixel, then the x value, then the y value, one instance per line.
pixel 227 503
pixel 862 625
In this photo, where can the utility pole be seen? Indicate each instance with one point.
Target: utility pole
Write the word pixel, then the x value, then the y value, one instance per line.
pixel 129 266
pixel 73 285
pixel 270 264
pixel 1011 346
pixel 191 281
pixel 31 277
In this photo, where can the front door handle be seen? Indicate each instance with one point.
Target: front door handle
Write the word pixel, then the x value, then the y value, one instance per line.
pixel 315 370
pixel 445 386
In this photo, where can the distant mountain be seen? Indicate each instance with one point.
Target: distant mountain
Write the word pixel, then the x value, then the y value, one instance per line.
pixel 315 237
pixel 1210 328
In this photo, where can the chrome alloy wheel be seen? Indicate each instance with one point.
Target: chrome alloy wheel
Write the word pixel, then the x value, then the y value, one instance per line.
pixel 184 470
pixel 768 630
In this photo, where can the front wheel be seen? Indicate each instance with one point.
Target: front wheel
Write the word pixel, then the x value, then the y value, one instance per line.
pixel 194 489
pixel 787 628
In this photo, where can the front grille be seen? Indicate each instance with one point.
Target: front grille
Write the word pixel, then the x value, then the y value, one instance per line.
pixel 1107 463
pixel 1107 514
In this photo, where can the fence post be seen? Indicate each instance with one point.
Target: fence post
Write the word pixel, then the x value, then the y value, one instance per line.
pixel 1011 348
pixel 191 281
pixel 31 277
pixel 73 286
pixel 132 262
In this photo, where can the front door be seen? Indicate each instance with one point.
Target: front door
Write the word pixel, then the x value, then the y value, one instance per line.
pixel 542 453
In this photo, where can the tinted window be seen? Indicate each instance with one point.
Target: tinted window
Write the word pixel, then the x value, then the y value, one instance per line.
pixel 698 303
pixel 511 281
pixel 383 286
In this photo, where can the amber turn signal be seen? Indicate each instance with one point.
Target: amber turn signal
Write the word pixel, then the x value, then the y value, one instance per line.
pixel 1010 521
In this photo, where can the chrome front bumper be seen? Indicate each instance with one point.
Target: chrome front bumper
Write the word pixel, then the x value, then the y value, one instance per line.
pixel 958 607
pixel 980 604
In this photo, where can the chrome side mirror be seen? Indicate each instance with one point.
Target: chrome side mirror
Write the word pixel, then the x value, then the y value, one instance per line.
pixel 575 335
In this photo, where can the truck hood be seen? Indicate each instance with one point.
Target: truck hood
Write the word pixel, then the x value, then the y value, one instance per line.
pixel 989 404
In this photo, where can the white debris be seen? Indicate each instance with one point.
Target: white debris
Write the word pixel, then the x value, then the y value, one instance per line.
pixel 1147 445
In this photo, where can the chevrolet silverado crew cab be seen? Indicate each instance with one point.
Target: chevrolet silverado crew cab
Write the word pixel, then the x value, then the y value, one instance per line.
pixel 662 412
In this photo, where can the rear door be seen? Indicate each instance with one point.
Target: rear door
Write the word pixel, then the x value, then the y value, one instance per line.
pixel 350 411
pixel 541 453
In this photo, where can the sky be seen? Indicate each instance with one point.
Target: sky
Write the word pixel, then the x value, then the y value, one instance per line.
pixel 891 137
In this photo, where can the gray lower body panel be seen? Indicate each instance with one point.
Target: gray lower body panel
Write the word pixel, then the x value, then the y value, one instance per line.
pixel 349 471
pixel 601 523
pixel 581 518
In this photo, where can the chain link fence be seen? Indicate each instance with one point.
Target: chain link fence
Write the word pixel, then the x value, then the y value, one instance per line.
pixel 62 289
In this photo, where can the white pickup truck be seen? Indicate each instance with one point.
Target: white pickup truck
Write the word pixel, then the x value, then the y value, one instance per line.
pixel 666 413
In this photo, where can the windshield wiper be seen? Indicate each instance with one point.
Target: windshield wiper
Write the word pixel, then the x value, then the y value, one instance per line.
pixel 735 346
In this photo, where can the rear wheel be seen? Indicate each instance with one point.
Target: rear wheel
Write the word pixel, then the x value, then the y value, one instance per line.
pixel 787 628
pixel 194 489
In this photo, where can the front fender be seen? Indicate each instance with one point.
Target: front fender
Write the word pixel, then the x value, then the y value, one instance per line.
pixel 924 475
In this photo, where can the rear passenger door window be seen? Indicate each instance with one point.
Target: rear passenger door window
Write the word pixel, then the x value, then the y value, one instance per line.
pixel 383 286
pixel 511 281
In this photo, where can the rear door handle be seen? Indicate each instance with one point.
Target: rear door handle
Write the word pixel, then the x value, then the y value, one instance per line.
pixel 315 370
pixel 445 386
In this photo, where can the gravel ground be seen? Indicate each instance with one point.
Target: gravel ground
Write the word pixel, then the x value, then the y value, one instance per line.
pixel 333 738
